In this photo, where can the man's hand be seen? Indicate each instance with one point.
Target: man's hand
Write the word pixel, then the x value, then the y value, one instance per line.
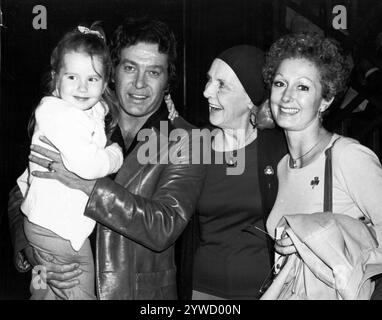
pixel 60 276
pixel 57 169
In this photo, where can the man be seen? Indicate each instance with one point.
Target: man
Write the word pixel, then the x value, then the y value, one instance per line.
pixel 144 210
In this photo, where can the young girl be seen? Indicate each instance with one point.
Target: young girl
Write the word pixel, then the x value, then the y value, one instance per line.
pixel 72 118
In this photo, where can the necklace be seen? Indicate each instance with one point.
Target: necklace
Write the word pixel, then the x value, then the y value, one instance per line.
pixel 293 162
pixel 231 157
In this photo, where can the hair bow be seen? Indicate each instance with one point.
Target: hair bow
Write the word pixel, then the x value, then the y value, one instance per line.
pixel 86 30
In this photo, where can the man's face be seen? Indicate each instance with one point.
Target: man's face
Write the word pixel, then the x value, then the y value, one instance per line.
pixel 141 78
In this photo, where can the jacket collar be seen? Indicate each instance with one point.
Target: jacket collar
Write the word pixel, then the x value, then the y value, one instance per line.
pixel 152 122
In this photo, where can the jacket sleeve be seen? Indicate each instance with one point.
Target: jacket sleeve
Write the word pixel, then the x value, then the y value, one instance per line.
pixel 16 227
pixel 154 222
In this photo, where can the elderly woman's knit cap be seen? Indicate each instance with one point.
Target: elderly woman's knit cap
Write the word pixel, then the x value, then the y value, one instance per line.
pixel 247 63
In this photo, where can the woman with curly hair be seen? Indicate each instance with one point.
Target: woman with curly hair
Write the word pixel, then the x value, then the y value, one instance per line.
pixel 305 72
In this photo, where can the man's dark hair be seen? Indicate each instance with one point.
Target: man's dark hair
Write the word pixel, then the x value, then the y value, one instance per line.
pixel 144 29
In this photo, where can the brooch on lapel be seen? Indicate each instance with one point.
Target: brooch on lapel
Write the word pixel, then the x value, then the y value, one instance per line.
pixel 231 161
pixel 315 182
pixel 268 171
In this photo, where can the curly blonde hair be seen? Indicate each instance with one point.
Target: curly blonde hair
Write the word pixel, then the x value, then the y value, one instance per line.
pixel 326 54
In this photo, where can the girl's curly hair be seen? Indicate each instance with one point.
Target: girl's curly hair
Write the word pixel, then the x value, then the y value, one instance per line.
pixel 327 55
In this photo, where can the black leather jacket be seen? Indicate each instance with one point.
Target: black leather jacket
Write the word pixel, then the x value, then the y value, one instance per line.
pixel 140 216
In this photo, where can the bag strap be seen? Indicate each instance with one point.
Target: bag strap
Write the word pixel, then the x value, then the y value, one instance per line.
pixel 328 185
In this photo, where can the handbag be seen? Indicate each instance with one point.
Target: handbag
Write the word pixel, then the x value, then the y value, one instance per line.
pixel 330 262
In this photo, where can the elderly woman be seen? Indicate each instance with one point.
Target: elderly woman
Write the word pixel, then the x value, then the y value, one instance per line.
pixel 232 258
pixel 305 73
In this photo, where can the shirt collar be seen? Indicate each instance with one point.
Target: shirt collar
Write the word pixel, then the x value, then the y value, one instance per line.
pixel 152 122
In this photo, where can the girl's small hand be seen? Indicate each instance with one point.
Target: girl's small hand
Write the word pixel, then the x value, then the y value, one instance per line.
pixel 172 113
pixel 285 246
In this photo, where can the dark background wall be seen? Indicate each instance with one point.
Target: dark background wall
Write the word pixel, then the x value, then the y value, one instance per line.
pixel 203 29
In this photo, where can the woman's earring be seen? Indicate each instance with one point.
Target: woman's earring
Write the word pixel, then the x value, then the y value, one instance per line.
pixel 320 115
pixel 253 119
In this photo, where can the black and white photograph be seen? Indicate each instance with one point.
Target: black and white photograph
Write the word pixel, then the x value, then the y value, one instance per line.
pixel 203 152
